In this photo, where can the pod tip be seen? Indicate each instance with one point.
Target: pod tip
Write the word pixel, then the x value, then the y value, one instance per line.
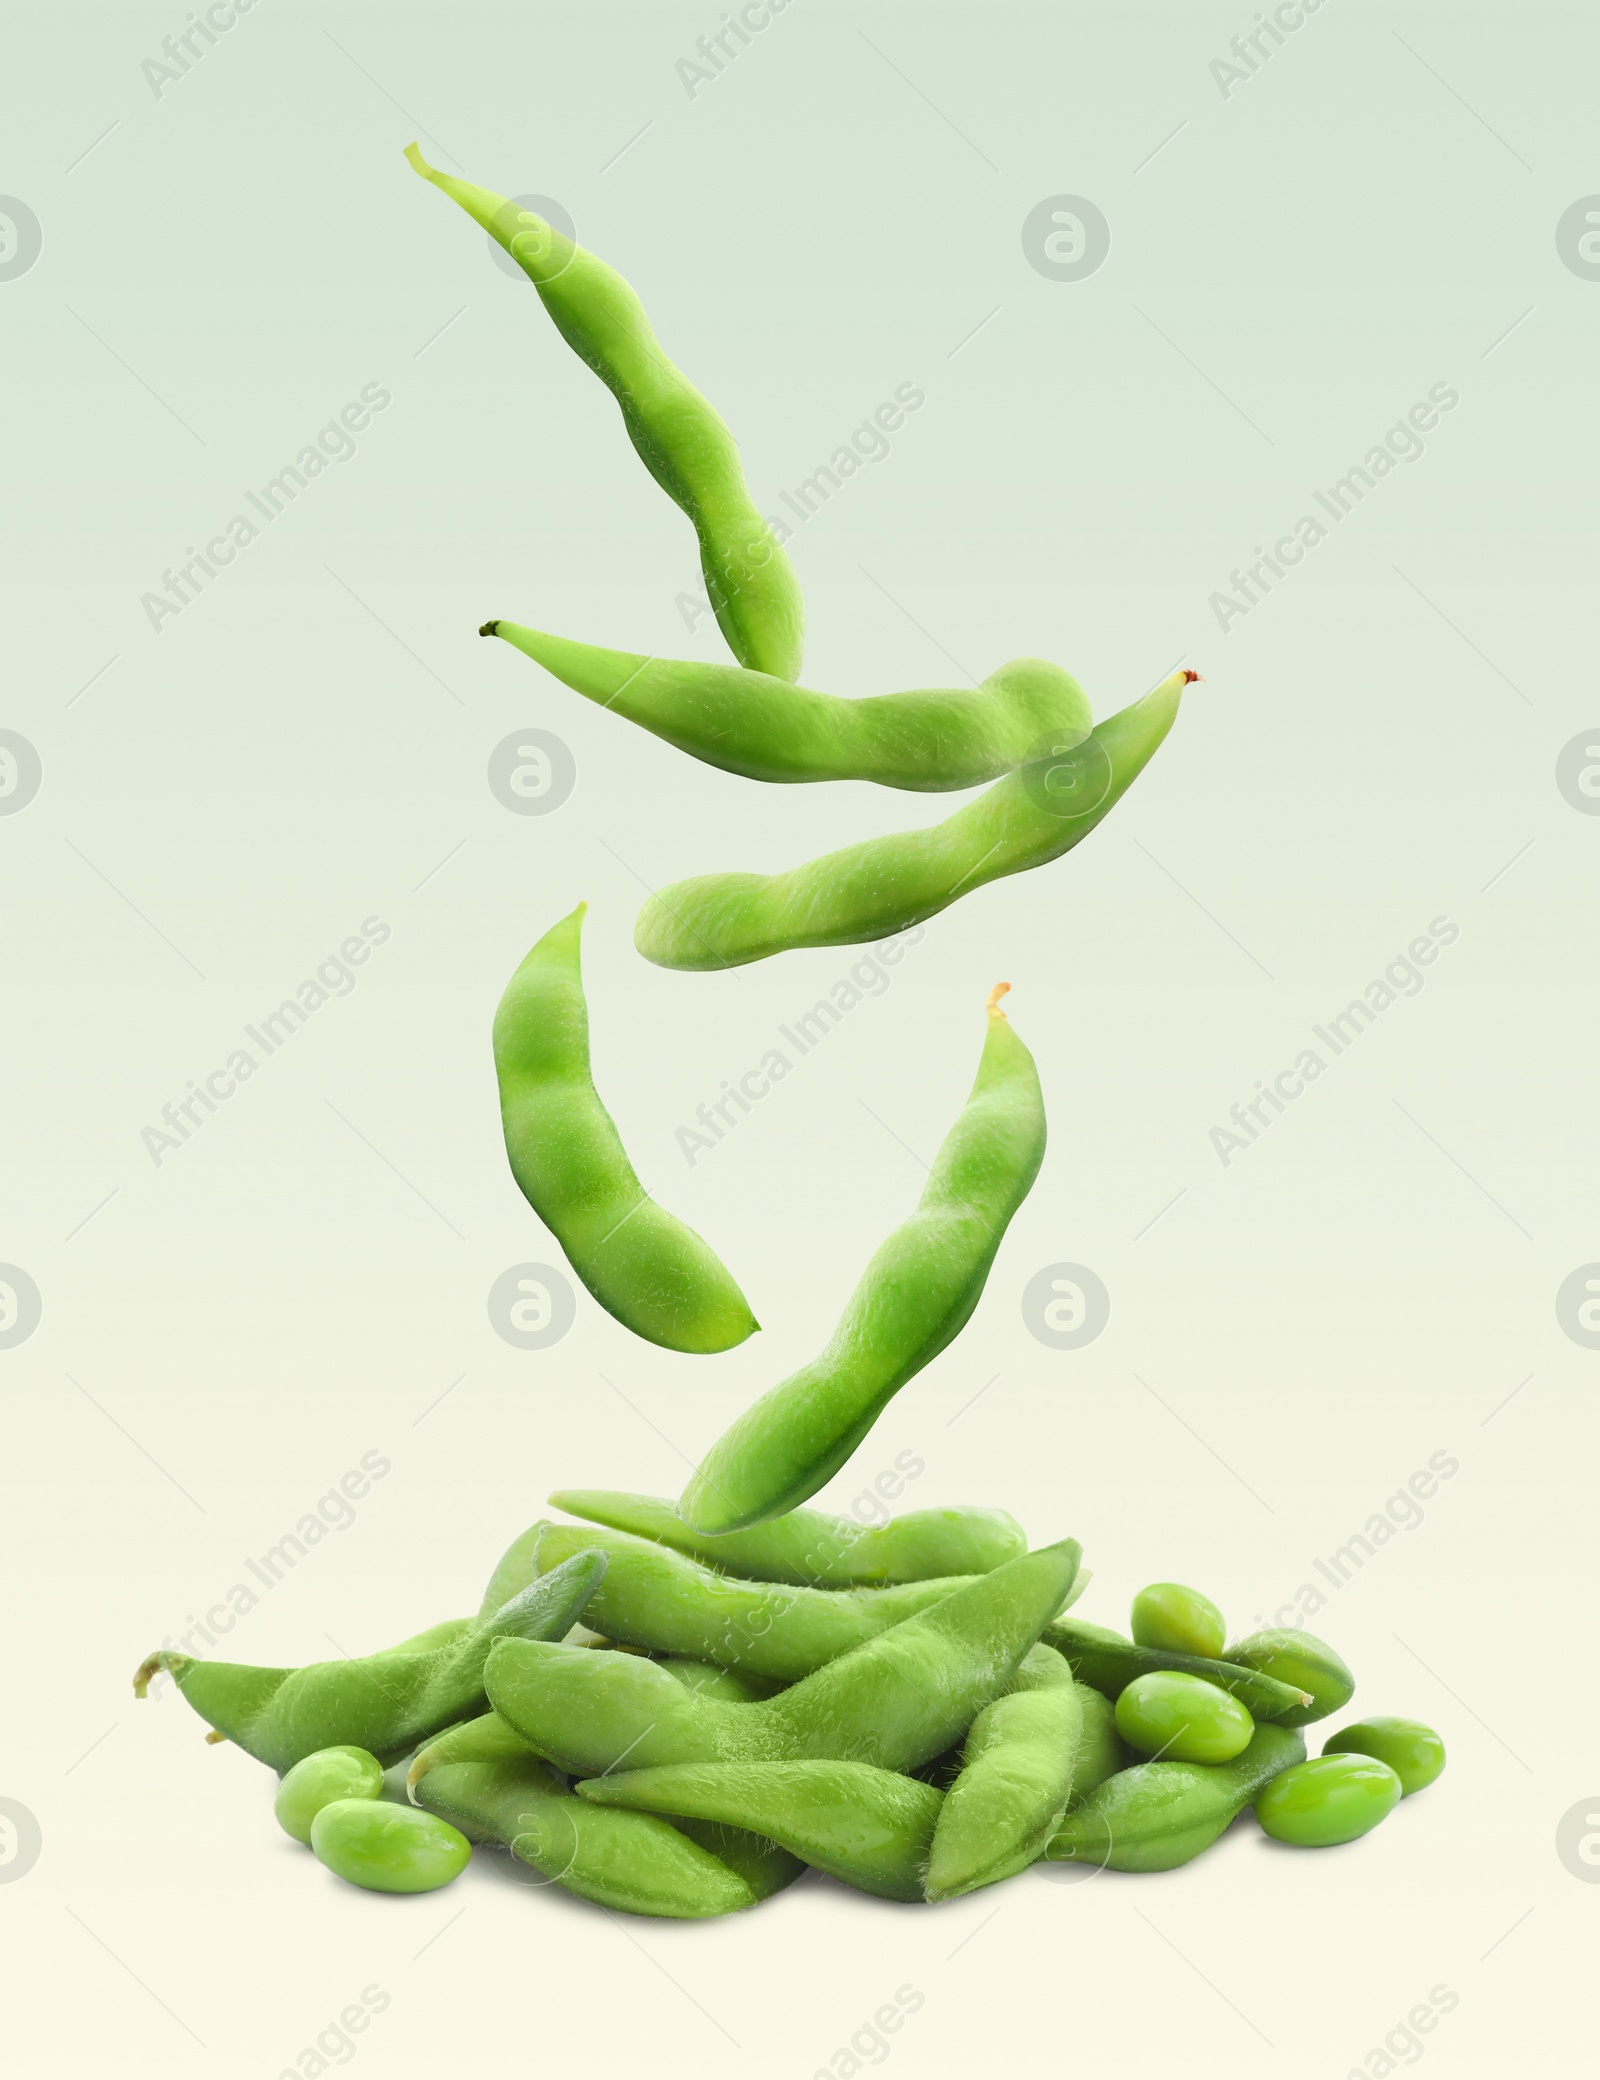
pixel 1189 677
pixel 993 1005
pixel 490 628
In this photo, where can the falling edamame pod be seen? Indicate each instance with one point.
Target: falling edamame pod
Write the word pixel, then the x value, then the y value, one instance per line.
pixel 896 1702
pixel 933 740
pixel 486 1781
pixel 655 1598
pixel 1161 1814
pixel 811 1547
pixel 1015 1780
pixel 884 885
pixel 680 439
pixel 385 1702
pixel 914 1297
pixel 1109 1663
pixel 869 1827
pixel 653 1274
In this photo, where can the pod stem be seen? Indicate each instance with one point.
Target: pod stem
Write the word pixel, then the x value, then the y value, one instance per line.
pixel 993 1005
pixel 162 1662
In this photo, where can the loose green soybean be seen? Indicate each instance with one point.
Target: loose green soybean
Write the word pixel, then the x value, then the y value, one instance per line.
pixel 1015 1780
pixel 1337 1798
pixel 385 1702
pixel 681 441
pixel 914 1297
pixel 1180 1620
pixel 1413 1751
pixel 896 1702
pixel 933 740
pixel 1183 1717
pixel 1108 1663
pixel 1162 1814
pixel 388 1848
pixel 869 1827
pixel 655 1598
pixel 1309 1664
pixel 873 889
pixel 654 1275
pixel 812 1548
pixel 317 1780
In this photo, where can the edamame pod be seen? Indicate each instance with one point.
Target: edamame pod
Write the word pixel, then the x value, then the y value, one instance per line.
pixel 1302 1660
pixel 933 740
pixel 1162 1814
pixel 384 1703
pixel 896 1702
pixel 1100 1752
pixel 813 1549
pixel 388 1848
pixel 1016 1777
pixel 914 1297
pixel 883 885
pixel 655 1598
pixel 654 1275
pixel 730 1685
pixel 680 439
pixel 869 1827
pixel 1109 1664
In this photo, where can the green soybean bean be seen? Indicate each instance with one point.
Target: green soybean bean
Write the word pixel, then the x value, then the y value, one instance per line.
pixel 1413 1751
pixel 932 740
pixel 654 1275
pixel 914 1297
pixel 1183 1717
pixel 387 1848
pixel 655 1598
pixel 1182 1620
pixel 813 1549
pixel 881 886
pixel 896 1702
pixel 867 1826
pixel 1108 1663
pixel 1337 1798
pixel 1307 1663
pixel 1016 1778
pixel 1162 1814
pixel 317 1780
pixel 385 1703
pixel 1100 1750
pixel 681 441
pixel 485 1780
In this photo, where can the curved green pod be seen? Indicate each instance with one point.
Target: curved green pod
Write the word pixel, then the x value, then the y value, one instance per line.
pixel 646 1269
pixel 483 1779
pixel 1108 1663
pixel 1162 1814
pixel 813 1548
pixel 883 885
pixel 1299 1658
pixel 914 1297
pixel 663 1601
pixel 869 1827
pixel 679 437
pixel 1015 1780
pixel 896 1702
pixel 932 740
pixel 384 1703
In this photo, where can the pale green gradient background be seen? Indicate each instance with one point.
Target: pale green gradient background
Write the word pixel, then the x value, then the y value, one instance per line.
pixel 1293 1335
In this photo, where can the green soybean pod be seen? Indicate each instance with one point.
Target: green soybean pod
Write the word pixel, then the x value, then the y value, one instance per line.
pixel 883 885
pixel 1413 1751
pixel 813 1548
pixel 730 1685
pixel 646 1269
pixel 1309 1664
pixel 679 438
pixel 1182 1716
pixel 932 740
pixel 317 1780
pixel 1108 1663
pixel 1159 1815
pixel 388 1848
pixel 915 1296
pixel 1337 1798
pixel 1100 1751
pixel 1166 1614
pixel 1015 1780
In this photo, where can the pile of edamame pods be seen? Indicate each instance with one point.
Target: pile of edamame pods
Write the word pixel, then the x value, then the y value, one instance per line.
pixel 676 1707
